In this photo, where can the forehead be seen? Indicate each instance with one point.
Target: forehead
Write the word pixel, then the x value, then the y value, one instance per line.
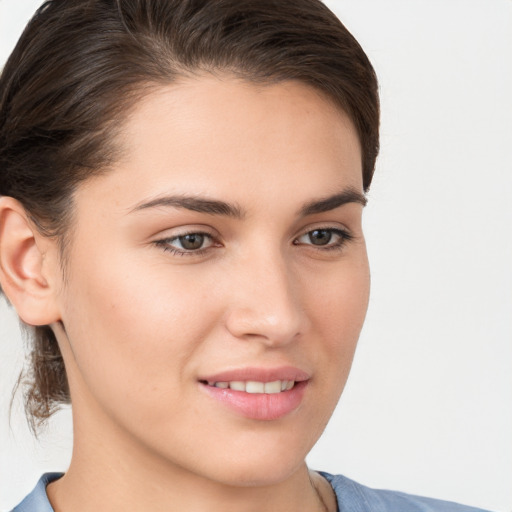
pixel 217 132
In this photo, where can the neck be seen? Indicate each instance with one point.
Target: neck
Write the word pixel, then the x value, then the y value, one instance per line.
pixel 115 489
pixel 126 477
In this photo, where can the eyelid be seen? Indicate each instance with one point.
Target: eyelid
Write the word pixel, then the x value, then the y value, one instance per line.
pixel 342 232
pixel 189 229
pixel 337 227
pixel 164 241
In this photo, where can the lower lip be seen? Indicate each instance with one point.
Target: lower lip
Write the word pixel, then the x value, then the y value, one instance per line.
pixel 259 406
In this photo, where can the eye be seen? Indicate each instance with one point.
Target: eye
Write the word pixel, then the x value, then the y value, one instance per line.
pixel 187 243
pixel 191 242
pixel 324 238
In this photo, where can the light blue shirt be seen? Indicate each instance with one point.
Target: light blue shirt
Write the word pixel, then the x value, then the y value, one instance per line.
pixel 351 496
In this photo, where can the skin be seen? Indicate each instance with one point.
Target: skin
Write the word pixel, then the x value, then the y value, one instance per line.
pixel 139 324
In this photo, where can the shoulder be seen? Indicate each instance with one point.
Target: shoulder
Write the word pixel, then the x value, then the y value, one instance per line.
pixel 354 497
pixel 351 496
pixel 37 500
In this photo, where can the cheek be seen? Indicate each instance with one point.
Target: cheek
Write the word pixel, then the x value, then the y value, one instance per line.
pixel 132 332
pixel 337 313
pixel 339 306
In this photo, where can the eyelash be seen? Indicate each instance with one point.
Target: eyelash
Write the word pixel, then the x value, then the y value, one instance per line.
pixel 165 244
pixel 344 238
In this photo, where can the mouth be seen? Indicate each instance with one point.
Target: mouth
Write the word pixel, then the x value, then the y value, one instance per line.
pixel 258 394
pixel 253 386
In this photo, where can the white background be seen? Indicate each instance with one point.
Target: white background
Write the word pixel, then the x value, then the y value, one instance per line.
pixel 428 408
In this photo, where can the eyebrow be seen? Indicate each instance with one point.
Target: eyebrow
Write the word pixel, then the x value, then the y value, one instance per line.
pixel 329 203
pixel 195 204
pixel 217 207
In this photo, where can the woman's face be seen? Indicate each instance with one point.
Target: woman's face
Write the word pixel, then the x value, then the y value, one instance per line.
pixel 220 262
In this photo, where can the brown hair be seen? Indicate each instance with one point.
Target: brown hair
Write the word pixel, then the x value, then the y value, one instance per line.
pixel 80 65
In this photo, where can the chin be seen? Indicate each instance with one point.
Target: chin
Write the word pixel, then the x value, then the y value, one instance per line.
pixel 262 463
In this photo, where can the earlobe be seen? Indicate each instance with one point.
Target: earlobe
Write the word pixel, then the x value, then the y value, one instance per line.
pixel 25 266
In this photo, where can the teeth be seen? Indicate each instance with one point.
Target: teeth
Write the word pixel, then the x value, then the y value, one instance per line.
pixel 251 386
pixel 254 387
pixel 237 385
pixel 273 387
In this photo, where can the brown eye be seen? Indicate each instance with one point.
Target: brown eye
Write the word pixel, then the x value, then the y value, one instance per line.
pixel 320 236
pixel 187 244
pixel 324 238
pixel 192 241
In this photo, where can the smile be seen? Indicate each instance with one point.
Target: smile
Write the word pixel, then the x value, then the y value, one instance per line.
pixel 262 394
pixel 251 386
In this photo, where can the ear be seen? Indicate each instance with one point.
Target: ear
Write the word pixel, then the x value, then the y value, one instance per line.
pixel 28 265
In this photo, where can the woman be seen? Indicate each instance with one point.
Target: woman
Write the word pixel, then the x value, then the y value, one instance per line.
pixel 182 191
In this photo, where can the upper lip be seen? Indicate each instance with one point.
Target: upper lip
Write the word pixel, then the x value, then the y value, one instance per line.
pixel 258 374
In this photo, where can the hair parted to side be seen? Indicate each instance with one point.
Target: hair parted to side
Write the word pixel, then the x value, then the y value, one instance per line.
pixel 81 65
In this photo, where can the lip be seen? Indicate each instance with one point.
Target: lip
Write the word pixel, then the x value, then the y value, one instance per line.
pixel 259 374
pixel 258 406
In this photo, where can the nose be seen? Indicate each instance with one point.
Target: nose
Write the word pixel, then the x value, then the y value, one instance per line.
pixel 266 303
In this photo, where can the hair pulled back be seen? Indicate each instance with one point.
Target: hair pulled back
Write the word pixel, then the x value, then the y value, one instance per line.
pixel 81 65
